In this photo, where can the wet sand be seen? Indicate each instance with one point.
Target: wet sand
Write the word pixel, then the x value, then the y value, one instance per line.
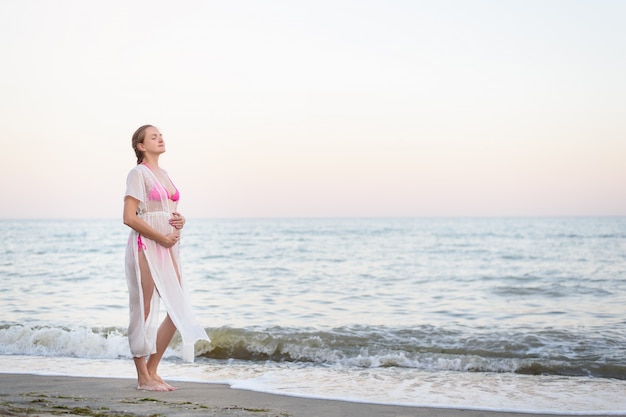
pixel 35 395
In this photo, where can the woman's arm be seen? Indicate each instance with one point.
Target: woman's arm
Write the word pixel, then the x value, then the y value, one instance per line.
pixel 144 229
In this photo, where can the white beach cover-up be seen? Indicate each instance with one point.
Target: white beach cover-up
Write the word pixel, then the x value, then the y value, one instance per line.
pixel 155 208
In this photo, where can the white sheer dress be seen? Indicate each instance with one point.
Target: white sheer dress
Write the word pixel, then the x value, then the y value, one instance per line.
pixel 155 208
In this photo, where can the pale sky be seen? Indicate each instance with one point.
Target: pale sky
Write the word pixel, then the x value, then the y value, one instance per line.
pixel 317 108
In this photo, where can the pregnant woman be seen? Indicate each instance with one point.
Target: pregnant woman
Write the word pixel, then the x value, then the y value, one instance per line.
pixel 153 263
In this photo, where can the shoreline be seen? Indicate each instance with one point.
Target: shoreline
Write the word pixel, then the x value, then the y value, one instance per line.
pixel 44 396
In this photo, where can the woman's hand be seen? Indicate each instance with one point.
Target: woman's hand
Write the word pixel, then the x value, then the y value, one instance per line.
pixel 169 240
pixel 177 220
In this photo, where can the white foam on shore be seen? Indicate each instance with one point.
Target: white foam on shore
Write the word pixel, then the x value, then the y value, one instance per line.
pixel 480 391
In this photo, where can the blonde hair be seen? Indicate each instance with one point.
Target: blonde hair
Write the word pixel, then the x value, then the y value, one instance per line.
pixel 138 138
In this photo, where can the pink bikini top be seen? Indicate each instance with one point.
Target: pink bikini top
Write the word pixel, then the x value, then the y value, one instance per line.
pixel 155 193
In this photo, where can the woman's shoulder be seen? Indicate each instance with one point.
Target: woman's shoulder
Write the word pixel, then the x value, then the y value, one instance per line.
pixel 137 173
pixel 137 169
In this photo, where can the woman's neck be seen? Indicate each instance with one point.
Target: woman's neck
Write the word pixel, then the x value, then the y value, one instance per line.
pixel 151 161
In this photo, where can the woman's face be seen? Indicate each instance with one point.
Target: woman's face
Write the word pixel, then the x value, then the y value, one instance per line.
pixel 153 141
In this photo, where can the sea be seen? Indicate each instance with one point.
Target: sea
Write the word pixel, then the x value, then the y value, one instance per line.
pixel 502 314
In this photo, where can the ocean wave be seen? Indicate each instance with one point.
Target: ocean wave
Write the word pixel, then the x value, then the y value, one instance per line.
pixel 425 348
pixel 78 342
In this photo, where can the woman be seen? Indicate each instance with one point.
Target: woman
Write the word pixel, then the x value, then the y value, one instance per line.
pixel 153 263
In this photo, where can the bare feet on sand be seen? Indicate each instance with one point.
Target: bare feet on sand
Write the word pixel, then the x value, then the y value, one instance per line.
pixel 155 384
pixel 157 378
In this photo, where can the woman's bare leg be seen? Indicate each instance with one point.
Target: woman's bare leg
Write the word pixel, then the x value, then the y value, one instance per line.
pixel 164 337
pixel 145 381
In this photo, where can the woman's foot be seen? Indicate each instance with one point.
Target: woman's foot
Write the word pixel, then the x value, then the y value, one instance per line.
pixel 160 380
pixel 152 385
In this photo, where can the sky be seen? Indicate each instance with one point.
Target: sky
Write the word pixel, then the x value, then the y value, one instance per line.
pixel 341 108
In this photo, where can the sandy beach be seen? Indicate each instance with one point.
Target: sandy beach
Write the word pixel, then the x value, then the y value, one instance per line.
pixel 35 395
